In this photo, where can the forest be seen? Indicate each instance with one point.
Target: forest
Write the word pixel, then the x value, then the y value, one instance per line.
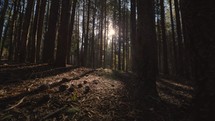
pixel 107 60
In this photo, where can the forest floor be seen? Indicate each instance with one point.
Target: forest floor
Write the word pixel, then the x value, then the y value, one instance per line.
pixel 30 92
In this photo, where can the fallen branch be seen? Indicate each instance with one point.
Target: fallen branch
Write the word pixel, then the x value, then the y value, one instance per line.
pixel 12 107
pixel 53 113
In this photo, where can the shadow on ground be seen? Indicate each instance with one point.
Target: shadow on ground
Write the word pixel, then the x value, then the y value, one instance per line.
pixel 173 105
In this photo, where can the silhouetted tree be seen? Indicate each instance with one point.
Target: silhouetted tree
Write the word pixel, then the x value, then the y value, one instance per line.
pixel 25 29
pixel 49 42
pixel 62 44
pixel 164 39
pixel 34 30
pixel 40 28
pixel 200 27
pixel 2 16
pixel 71 26
pixel 146 47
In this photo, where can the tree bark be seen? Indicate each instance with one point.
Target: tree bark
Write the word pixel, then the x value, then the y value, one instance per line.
pixel 101 36
pixel 119 36
pixel 163 28
pixel 25 30
pixel 199 18
pixel 133 34
pixel 105 32
pixel 71 26
pixel 2 16
pixel 93 39
pixel 179 38
pixel 83 35
pixel 19 31
pixel 146 48
pixel 12 32
pixel 63 32
pixel 173 37
pixel 5 32
pixel 86 40
pixel 50 37
pixel 40 29
pixel 34 32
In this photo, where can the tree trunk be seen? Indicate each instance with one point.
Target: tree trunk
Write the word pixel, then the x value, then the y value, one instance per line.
pixel 63 34
pixel 83 35
pixel 133 34
pixel 2 16
pixel 173 37
pixel 163 27
pixel 124 38
pixel 19 31
pixel 146 49
pixel 86 40
pixel 159 36
pixel 33 39
pixel 25 30
pixel 71 26
pixel 78 44
pixel 127 41
pixel 50 37
pixel 101 36
pixel 119 36
pixel 105 33
pixel 179 38
pixel 114 39
pixel 40 29
pixel 93 40
pixel 5 36
pixel 199 18
pixel 12 32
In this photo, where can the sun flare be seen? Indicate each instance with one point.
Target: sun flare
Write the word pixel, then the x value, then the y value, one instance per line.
pixel 111 32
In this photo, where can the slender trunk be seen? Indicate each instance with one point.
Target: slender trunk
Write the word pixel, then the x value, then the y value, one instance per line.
pixel 119 38
pixel 50 37
pixel 63 32
pixel 26 24
pixel 35 27
pixel 12 32
pixel 5 33
pixel 124 39
pixel 93 40
pixel 40 28
pixel 2 16
pixel 19 31
pixel 105 34
pixel 180 43
pixel 4 39
pixel 173 36
pixel 86 40
pixel 101 36
pixel 127 41
pixel 163 27
pixel 71 26
pixel 187 55
pixel 83 35
pixel 78 43
pixel 115 46
pixel 112 52
pixel 157 5
pixel 133 33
